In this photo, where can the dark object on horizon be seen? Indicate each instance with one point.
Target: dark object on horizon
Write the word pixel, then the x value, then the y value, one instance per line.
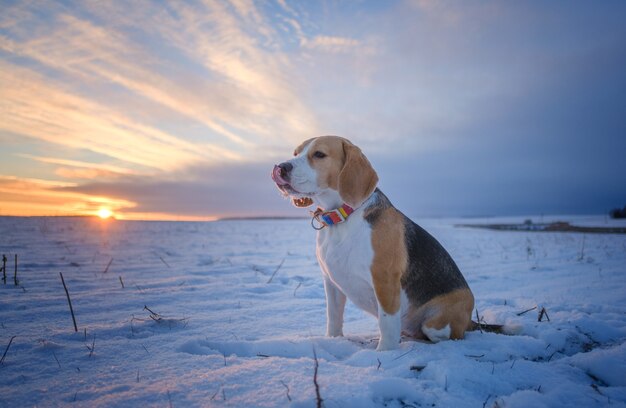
pixel 617 213
pixel 558 226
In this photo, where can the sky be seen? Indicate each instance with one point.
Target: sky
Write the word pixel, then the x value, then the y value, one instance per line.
pixel 179 110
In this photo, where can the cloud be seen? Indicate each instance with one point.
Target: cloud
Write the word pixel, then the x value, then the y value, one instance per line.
pixel 32 107
pixel 74 169
pixel 331 44
pixel 29 197
pixel 243 94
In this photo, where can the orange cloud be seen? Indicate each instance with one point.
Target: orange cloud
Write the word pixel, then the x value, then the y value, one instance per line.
pixel 34 197
pixel 74 169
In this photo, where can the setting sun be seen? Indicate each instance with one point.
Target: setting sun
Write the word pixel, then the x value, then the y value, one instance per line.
pixel 105 213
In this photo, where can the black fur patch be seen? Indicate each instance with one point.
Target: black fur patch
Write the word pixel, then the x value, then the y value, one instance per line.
pixel 431 270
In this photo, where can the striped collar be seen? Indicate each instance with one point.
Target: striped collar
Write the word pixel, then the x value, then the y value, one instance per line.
pixel 328 218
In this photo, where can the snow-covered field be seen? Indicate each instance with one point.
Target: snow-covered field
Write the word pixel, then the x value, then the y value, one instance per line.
pixel 239 310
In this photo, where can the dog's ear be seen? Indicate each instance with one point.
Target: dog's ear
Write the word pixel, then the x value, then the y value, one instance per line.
pixel 302 202
pixel 357 179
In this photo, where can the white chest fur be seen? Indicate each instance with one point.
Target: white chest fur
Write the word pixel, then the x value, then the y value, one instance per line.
pixel 345 254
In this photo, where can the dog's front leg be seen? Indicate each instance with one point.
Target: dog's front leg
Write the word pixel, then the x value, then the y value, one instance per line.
pixel 335 305
pixel 390 328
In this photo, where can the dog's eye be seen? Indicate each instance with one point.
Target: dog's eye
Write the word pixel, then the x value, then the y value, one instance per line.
pixel 319 155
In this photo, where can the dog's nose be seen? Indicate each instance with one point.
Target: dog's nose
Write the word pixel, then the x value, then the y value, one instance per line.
pixel 286 167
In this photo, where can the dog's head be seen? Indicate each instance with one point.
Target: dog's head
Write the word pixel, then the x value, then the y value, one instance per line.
pixel 326 164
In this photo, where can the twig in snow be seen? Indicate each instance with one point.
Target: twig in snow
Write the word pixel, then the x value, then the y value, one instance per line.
pixel 379 363
pixel 478 321
pixel 582 250
pixel 93 346
pixel 154 316
pixel 402 355
pixel 317 387
pixel 279 266
pixel 552 355
pixel 163 260
pixel 15 276
pixel 294 291
pixel 543 312
pixel 122 282
pixel 287 387
pixel 55 357
pixel 475 356
pixel 69 301
pixel 526 311
pixel 6 350
pixel 4 269
pixel 108 265
pixel 216 392
pixel 597 389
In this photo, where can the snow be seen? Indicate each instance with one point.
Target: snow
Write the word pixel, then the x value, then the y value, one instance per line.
pixel 227 333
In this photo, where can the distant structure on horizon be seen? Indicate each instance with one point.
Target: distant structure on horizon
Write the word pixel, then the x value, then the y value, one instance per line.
pixel 618 213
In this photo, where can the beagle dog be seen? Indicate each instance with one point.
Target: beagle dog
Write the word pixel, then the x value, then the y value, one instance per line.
pixel 370 252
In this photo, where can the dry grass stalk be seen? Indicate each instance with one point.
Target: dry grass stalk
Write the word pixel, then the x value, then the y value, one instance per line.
pixel 478 321
pixel 15 275
pixel 153 315
pixel 108 265
pixel 55 357
pixel 279 266
pixel 93 346
pixel 543 312
pixel 69 301
pixel 4 269
pixel 287 387
pixel 6 350
pixel 294 291
pixel 318 397
pixel 527 310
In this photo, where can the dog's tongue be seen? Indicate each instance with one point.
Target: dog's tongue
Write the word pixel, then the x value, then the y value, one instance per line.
pixel 277 177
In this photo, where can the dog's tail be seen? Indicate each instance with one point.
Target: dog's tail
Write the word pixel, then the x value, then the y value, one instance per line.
pixel 495 328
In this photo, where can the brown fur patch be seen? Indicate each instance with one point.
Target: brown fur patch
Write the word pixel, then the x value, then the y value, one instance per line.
pixel 453 308
pixel 357 179
pixel 390 258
